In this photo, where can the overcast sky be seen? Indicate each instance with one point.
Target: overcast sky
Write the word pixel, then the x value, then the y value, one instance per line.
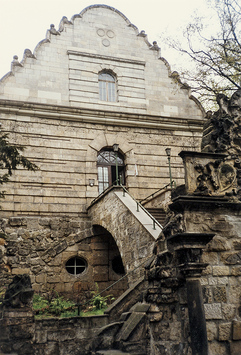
pixel 24 22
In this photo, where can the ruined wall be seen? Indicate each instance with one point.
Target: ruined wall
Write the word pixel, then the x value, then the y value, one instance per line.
pixel 220 281
pixel 21 334
pixel 41 247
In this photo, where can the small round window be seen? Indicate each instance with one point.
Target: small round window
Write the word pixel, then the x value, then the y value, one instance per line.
pixel 76 265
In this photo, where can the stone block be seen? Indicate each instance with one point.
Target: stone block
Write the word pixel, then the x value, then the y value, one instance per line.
pixel 210 258
pixel 234 294
pixel 220 270
pixel 228 311
pixel 62 335
pixel 235 348
pixel 26 331
pixel 218 348
pixel 19 271
pixel 2 241
pixel 231 258
pixel 213 311
pixel 236 330
pixel 236 271
pixel 224 331
pixel 213 281
pixel 40 279
pixel 220 294
pixel 131 323
pixel 41 336
pixel 212 330
pixel 222 280
pixel 236 244
pixel 219 243
pixel 207 294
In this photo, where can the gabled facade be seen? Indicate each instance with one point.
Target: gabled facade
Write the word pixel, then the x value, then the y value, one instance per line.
pixel 94 82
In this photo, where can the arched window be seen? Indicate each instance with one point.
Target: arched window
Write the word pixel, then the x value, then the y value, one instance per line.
pixel 107 87
pixel 106 163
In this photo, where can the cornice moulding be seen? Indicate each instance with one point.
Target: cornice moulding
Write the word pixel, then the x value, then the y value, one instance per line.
pixel 106 57
pixel 124 119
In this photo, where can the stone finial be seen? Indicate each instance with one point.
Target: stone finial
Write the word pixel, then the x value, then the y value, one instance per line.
pixel 28 53
pixel 176 77
pixel 155 46
pixel 15 62
pixel 63 22
pixel 53 30
pixel 142 34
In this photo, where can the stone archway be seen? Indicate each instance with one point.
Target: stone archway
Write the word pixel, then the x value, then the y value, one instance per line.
pixel 102 256
pixel 134 241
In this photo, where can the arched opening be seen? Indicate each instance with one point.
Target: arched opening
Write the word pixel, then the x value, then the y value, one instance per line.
pixel 104 266
pixel 111 168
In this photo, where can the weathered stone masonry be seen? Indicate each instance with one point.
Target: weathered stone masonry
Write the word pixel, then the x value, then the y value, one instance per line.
pixel 51 103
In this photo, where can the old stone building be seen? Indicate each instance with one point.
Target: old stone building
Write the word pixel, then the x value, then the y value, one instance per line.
pixel 96 105
pixel 92 84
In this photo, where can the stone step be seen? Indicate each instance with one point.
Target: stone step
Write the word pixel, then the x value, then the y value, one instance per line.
pixel 158 213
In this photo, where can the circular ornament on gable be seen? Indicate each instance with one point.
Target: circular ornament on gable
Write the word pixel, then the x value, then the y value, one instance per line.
pixel 106 42
pixel 110 34
pixel 100 32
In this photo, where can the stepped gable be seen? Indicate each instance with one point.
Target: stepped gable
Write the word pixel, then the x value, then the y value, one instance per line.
pixel 99 37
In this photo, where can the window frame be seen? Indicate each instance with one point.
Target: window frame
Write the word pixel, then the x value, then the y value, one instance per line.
pixel 108 164
pixel 107 86
pixel 75 265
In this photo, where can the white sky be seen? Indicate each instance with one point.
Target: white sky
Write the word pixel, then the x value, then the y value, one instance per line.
pixel 24 22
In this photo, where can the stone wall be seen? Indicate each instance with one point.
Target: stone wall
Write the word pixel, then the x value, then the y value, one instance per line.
pixel 133 240
pixel 21 334
pixel 66 154
pixel 64 69
pixel 41 247
pixel 221 280
pixel 50 103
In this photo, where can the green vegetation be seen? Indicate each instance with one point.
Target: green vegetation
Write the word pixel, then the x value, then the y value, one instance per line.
pixel 11 158
pixel 52 304
pixel 99 302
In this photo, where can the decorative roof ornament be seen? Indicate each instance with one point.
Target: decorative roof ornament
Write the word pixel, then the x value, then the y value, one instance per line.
pixel 28 53
pixel 63 22
pixel 155 46
pixel 142 34
pixel 53 31
pixel 15 62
